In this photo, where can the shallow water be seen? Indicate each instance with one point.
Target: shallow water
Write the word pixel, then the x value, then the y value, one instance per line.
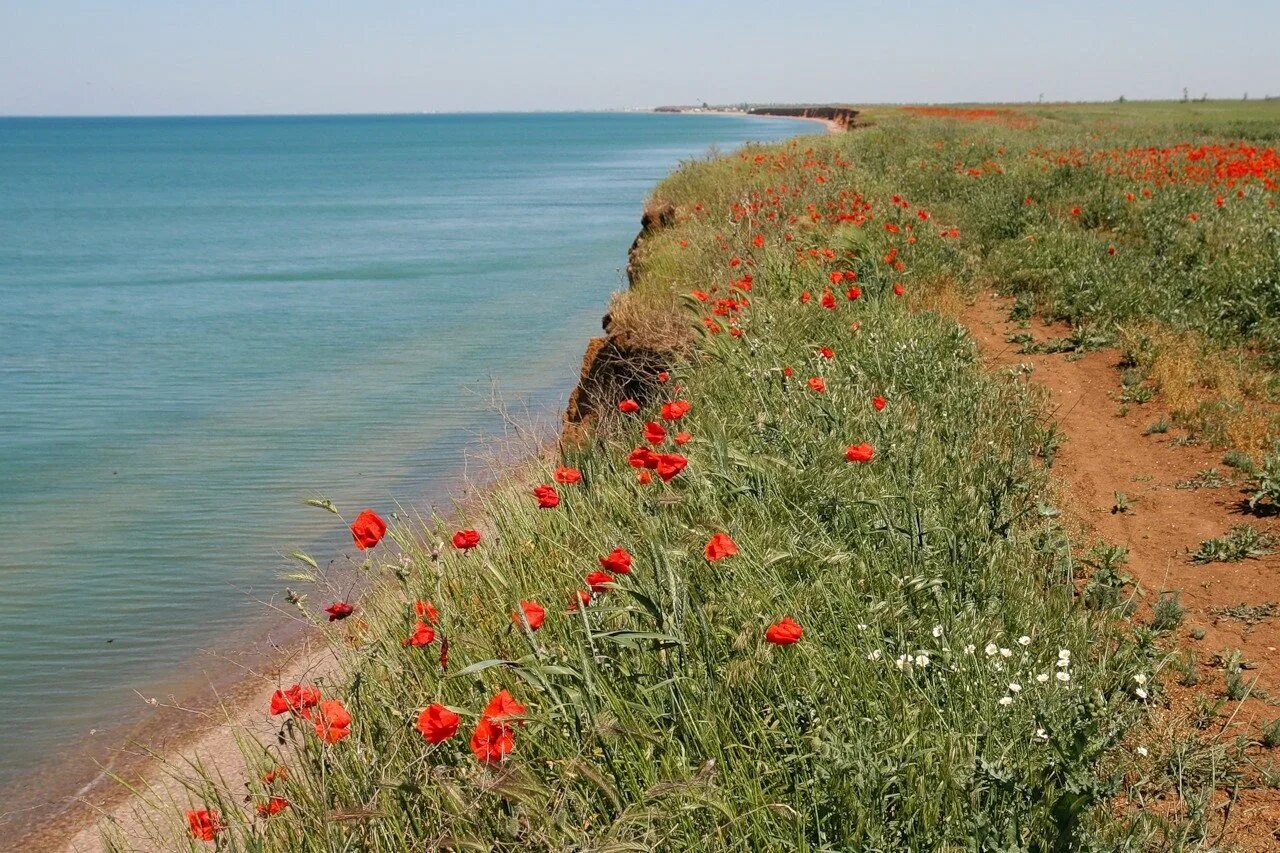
pixel 204 321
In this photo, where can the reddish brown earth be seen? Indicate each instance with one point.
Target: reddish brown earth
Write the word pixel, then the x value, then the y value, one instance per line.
pixel 1105 453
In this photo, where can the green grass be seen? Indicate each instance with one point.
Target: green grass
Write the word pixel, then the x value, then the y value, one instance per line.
pixel 957 685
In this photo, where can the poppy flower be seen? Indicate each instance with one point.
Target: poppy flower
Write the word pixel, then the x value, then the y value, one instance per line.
pixel 581 598
pixel 534 614
pixel 719 547
pixel 878 403
pixel 464 540
pixel 339 610
pixel 273 774
pixel 817 383
pixel 898 289
pixel 426 611
pixel 663 376
pixel 368 529
pixel 682 438
pixel 644 478
pixel 275 805
pixel 204 824
pixel 784 633
pixel 437 723
pixel 828 300
pixel 655 433
pixel 617 561
pixel 675 410
pixel 491 742
pixel 503 708
pixel 599 581
pixel 567 475
pixel 859 452
pixel 628 406
pixel 670 464
pixel 296 699
pixel 835 276
pixel 642 457
pixel 805 297
pixel 853 293
pixel 332 721
pixel 827 353
pixel 757 240
pixel 547 497
pixel 421 635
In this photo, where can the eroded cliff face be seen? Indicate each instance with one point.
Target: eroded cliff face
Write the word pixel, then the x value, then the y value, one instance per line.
pixel 842 116
pixel 617 366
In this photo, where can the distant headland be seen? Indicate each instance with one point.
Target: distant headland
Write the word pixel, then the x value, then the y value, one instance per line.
pixel 841 116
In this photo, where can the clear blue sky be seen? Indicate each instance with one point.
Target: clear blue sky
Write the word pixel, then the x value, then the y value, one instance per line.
pixel 257 56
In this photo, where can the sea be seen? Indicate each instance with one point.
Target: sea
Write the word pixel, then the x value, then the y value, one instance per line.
pixel 204 322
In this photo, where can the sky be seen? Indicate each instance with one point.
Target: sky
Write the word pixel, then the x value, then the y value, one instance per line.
pixel 167 57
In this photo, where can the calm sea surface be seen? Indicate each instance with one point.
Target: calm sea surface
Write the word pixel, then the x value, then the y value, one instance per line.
pixel 205 321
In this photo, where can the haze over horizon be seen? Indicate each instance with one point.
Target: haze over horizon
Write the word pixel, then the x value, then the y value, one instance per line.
pixel 75 57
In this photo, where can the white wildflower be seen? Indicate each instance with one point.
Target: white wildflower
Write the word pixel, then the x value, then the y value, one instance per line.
pixel 1142 750
pixel 969 648
pixel 1006 653
pixel 1015 687
pixel 874 654
pixel 1063 677
pixel 1042 677
pixel 1140 678
pixel 991 649
pixel 922 660
pixel 1024 640
pixel 937 631
pixel 1006 701
pixel 1042 735
pixel 1141 693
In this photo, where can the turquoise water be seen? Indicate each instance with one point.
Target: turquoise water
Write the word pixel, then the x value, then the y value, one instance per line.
pixel 206 320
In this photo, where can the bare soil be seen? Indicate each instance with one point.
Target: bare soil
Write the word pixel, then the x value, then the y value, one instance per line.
pixel 1106 452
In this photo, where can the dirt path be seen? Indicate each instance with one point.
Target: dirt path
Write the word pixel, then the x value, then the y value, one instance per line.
pixel 1105 453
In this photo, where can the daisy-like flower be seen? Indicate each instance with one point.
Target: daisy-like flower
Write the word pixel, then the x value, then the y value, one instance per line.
pixel 1063 676
pixel 1015 687
pixel 874 654
pixel 1006 653
pixel 1024 640
pixel 922 660
pixel 991 649
pixel 937 631
pixel 969 648
pixel 1042 677
pixel 1005 701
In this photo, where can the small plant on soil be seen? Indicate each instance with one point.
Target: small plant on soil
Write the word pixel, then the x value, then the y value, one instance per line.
pixel 1167 612
pixel 1208 478
pixel 1157 427
pixel 1121 503
pixel 1239 460
pixel 1242 542
pixel 1266 495
pixel 1271 734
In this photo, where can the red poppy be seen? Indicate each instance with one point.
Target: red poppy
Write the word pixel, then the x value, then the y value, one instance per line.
pixel 426 611
pixel 465 540
pixel 503 708
pixel 644 478
pixel 534 614
pixel 275 805
pixel 827 353
pixel 339 610
pixel 805 297
pixel 835 276
pixel 491 742
pixel 828 300
pixel 850 275
pixel 786 371
pixel 437 723
pixel 368 529
pixel 878 403
pixel 204 824
pixel 547 497
pixel 817 383
pixel 784 633
pixel 663 376
pixel 628 406
pixel 421 635
pixel 332 721
pixel 719 547
pixel 655 433
pixel 642 457
pixel 567 475
pixel 682 438
pixel 757 240
pixel 599 581
pixel 617 561
pixel 675 410
pixel 898 289
pixel 296 699
pixel 670 464
pixel 853 293
pixel 859 452
pixel 580 598
pixel 275 773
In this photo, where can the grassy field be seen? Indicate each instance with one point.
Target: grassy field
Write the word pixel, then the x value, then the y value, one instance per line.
pixel 964 676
